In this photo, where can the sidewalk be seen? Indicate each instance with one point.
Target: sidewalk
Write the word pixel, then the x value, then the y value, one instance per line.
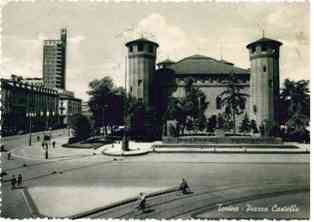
pixel 36 152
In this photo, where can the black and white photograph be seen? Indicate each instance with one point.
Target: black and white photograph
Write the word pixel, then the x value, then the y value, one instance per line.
pixel 155 110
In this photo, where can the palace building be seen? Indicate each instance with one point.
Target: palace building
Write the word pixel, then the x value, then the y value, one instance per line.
pixel 151 82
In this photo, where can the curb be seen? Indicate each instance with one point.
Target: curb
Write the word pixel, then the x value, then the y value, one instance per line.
pixel 120 203
pixel 237 146
pixel 126 153
pixel 232 151
pixel 31 204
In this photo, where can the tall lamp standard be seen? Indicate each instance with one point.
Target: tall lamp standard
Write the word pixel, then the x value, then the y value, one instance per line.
pixel 125 139
pixel 29 115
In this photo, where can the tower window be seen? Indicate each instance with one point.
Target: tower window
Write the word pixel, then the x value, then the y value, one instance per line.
pixel 264 68
pixel 264 48
pixel 139 82
pixel 131 49
pixel 140 47
pixel 151 49
pixel 242 106
pixel 255 109
pixel 218 103
pixel 253 49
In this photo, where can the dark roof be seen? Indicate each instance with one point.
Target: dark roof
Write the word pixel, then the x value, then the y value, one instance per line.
pixel 264 40
pixel 199 64
pixel 167 61
pixel 141 40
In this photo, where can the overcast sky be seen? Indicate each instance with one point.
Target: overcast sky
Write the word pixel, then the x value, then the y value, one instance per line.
pixel 97 32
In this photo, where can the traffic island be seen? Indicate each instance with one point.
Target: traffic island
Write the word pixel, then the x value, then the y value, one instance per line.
pixel 135 149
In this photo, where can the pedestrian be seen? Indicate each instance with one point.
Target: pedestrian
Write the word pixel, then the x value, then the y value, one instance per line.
pixel 38 138
pixel 2 148
pixel 141 202
pixel 53 144
pixel 46 154
pixel 9 155
pixel 19 180
pixel 184 187
pixel 13 182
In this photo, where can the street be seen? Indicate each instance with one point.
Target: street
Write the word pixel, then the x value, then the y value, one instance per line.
pixel 72 181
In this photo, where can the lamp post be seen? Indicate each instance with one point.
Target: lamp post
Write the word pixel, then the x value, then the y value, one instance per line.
pixel 125 139
pixel 30 128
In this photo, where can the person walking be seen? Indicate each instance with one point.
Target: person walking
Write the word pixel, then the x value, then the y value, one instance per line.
pixel 46 153
pixel 53 144
pixel 142 202
pixel 38 138
pixel 184 187
pixel 13 182
pixel 19 180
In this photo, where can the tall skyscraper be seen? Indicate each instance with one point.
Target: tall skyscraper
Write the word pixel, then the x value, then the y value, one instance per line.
pixel 54 61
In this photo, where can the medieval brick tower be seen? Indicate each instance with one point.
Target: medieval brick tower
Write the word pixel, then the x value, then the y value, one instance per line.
pixel 264 81
pixel 142 61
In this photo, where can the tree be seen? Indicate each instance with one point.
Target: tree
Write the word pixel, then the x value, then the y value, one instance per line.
pixel 245 124
pixel 190 107
pixel 211 123
pixel 106 103
pixel 253 126
pixel 81 126
pixel 295 106
pixel 233 99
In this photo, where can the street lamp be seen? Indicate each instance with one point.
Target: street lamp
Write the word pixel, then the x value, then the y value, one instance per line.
pixel 30 115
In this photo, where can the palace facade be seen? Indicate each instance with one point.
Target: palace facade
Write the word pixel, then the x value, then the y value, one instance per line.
pixel 150 82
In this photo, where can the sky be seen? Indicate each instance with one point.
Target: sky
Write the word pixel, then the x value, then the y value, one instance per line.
pixel 97 32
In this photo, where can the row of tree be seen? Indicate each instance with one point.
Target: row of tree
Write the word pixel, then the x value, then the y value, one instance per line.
pixel 293 108
pixel 109 105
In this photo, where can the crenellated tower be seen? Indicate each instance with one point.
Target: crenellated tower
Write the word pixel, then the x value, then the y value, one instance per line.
pixel 142 62
pixel 264 81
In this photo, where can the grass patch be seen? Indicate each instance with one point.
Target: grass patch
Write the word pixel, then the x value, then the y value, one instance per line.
pixel 92 143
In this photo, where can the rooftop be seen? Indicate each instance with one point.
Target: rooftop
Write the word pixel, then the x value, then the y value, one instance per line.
pixel 141 40
pixel 264 40
pixel 200 64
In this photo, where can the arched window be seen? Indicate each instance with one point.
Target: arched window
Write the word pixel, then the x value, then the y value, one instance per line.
pixel 218 103
pixel 140 47
pixel 242 105
pixel 254 108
